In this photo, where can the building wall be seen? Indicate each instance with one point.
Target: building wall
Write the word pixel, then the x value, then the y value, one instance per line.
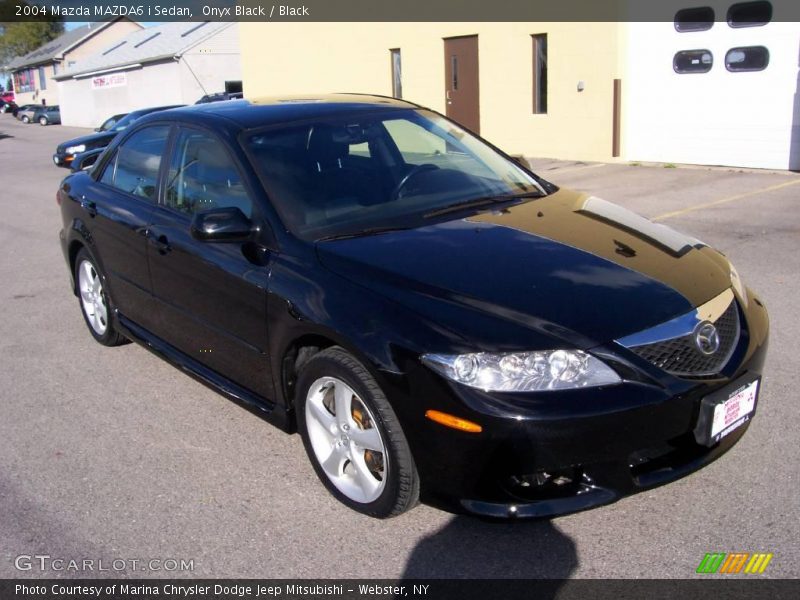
pixel 205 68
pixel 100 41
pixel 746 119
pixel 49 93
pixel 152 85
pixel 96 43
pixel 292 58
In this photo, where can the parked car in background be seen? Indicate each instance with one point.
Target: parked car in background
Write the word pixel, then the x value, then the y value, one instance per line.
pixel 434 319
pixel 220 96
pixel 110 122
pixel 66 151
pixel 47 115
pixel 18 110
pixel 26 113
pixel 7 96
pixel 8 107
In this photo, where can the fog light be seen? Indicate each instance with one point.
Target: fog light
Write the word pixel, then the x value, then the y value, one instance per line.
pixel 545 484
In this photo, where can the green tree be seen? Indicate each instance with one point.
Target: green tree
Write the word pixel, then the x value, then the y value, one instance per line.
pixel 17 38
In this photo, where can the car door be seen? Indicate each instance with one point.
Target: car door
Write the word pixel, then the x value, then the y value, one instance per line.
pixel 118 207
pixel 211 296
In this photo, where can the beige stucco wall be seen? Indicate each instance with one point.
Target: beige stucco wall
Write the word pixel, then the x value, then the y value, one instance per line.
pixel 291 58
pixel 49 94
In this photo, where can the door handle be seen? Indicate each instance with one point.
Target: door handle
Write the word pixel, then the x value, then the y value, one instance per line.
pixel 159 242
pixel 89 206
pixel 447 95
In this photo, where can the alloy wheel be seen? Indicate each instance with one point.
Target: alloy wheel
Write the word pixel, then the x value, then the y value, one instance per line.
pixel 345 439
pixel 93 299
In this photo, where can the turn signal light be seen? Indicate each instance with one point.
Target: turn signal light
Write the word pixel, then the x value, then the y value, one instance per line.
pixel 453 422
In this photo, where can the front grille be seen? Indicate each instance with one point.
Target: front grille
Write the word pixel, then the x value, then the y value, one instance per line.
pixel 680 355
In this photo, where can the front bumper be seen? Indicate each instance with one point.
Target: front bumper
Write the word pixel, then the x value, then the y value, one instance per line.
pixel 541 455
pixel 63 160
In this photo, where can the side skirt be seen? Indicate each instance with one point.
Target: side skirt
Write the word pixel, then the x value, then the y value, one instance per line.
pixel 254 403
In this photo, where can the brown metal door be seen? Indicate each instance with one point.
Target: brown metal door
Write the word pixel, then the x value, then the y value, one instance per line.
pixel 461 81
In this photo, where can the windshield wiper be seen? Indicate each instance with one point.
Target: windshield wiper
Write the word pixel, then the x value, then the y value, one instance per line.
pixel 361 233
pixel 479 202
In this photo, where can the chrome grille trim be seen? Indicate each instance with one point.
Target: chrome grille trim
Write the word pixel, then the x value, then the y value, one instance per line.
pixel 671 345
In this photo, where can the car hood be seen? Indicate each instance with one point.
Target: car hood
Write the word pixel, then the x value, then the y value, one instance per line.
pixel 568 265
pixel 93 140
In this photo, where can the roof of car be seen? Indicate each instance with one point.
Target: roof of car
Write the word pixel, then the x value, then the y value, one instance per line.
pixel 148 110
pixel 257 112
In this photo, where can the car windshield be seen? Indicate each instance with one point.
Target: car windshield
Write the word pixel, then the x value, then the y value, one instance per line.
pixel 108 123
pixel 126 121
pixel 369 172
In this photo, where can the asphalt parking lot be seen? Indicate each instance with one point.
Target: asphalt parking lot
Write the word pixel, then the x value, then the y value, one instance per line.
pixel 114 454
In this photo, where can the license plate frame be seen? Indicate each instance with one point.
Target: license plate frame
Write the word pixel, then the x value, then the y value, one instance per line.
pixel 727 409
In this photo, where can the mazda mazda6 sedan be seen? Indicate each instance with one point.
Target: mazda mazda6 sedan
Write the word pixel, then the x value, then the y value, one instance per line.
pixel 438 322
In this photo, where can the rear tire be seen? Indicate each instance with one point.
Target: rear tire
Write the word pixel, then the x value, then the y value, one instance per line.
pixel 353 437
pixel 43 121
pixel 96 307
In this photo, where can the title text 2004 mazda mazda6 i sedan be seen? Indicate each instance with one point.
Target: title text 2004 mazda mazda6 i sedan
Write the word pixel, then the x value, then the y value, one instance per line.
pixel 436 321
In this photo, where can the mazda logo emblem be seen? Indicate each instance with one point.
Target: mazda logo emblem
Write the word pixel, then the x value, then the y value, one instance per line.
pixel 706 338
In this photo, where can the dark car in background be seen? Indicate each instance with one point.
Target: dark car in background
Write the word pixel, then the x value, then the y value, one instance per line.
pixel 47 115
pixel 110 122
pixel 220 96
pixel 437 321
pixel 66 151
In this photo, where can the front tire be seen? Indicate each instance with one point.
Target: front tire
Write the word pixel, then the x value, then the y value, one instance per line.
pixel 353 438
pixel 95 305
pixel 26 119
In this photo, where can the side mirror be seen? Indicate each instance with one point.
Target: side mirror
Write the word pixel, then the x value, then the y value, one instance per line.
pixel 222 225
pixel 85 160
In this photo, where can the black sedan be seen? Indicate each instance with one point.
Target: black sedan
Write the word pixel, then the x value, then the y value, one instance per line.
pixel 438 322
pixel 66 151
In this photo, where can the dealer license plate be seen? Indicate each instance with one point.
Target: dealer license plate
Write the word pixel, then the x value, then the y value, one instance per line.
pixel 725 410
pixel 734 411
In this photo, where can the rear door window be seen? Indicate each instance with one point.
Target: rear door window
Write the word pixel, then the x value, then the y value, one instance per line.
pixel 134 167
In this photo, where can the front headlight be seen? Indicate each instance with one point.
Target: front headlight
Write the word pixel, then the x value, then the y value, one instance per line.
pixel 76 149
pixel 524 371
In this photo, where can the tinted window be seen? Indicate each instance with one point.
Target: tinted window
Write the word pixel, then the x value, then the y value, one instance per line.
pixel 750 14
pixel 202 176
pixel 134 167
pixel 751 58
pixel 540 73
pixel 417 144
pixel 343 175
pixel 694 19
pixel 693 61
